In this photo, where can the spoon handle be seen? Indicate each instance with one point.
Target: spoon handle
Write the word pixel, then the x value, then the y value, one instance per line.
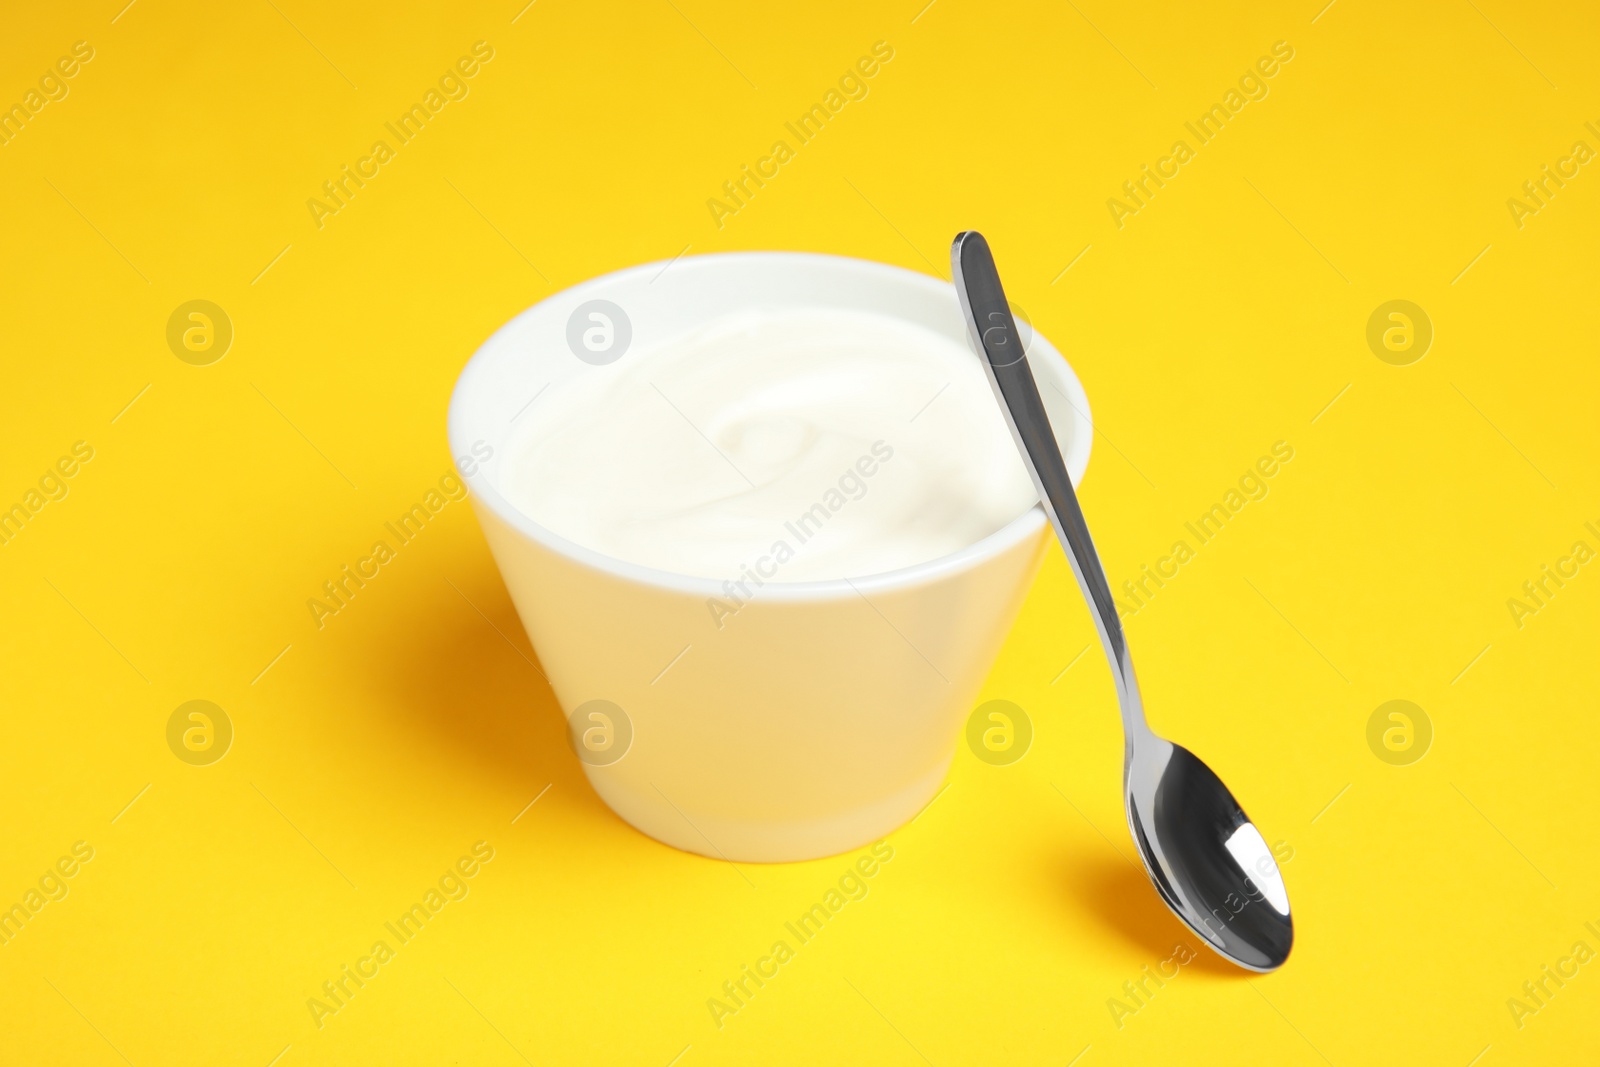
pixel 995 332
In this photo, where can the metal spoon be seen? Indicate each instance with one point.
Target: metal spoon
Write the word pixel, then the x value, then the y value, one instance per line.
pixel 1208 862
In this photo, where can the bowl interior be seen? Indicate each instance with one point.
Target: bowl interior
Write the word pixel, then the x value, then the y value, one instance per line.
pixel 664 300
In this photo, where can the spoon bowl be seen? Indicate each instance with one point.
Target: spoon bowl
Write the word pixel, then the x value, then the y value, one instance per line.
pixel 1205 856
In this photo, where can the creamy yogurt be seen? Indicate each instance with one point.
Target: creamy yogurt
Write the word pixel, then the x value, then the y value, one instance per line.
pixel 797 444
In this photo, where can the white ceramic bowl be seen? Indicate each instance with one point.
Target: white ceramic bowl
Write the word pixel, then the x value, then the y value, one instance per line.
pixel 824 714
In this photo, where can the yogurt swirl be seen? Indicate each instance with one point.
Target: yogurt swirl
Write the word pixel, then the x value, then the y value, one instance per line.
pixel 801 444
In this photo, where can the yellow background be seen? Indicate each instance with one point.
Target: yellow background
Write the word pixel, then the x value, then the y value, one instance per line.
pixel 1223 317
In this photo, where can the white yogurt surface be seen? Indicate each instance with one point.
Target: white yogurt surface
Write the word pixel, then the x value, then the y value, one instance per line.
pixel 794 444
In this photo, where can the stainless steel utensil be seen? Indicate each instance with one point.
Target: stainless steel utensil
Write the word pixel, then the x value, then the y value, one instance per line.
pixel 1207 860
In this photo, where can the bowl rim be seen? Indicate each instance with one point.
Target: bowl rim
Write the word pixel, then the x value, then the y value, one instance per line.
pixel 474 376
